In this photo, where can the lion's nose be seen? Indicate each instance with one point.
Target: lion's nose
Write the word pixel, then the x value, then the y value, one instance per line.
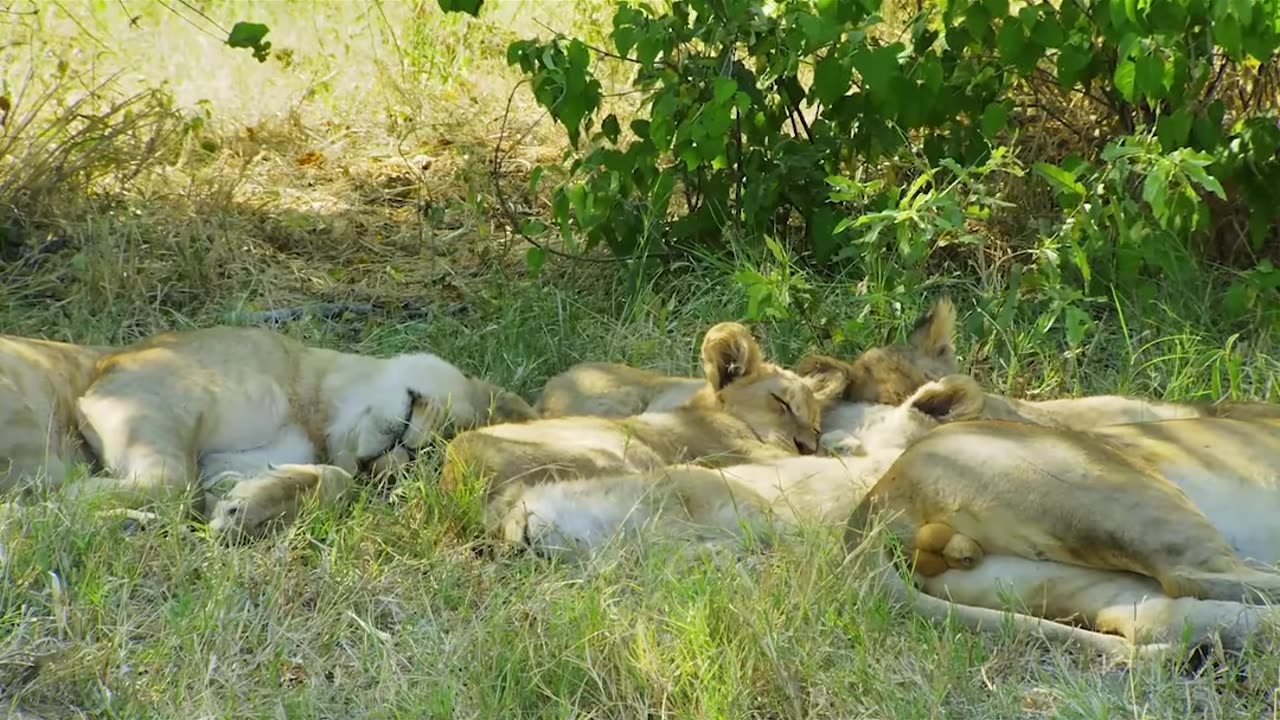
pixel 806 448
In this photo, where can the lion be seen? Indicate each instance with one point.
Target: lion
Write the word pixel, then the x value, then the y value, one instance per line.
pixel 1112 606
pixel 890 374
pixel 887 374
pixel 614 390
pixel 165 412
pixel 725 504
pixel 39 383
pixel 1130 529
pixel 747 409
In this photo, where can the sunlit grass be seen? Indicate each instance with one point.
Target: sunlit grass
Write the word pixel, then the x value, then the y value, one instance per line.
pixel 357 171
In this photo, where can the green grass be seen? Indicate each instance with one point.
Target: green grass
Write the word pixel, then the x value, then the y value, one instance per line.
pixel 395 608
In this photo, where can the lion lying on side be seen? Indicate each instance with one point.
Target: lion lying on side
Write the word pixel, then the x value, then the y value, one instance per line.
pixel 747 409
pixel 167 411
pixel 39 383
pixel 890 374
pixel 886 374
pixel 1109 610
pixel 727 503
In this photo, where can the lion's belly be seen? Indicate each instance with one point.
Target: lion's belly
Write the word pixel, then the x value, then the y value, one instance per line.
pixel 291 445
pixel 248 412
pixel 1244 508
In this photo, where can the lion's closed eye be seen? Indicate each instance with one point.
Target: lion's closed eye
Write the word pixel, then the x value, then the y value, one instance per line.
pixel 786 406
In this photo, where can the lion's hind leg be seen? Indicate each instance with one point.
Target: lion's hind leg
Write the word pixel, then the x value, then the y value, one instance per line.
pixel 148 453
pixel 1114 603
pixel 576 517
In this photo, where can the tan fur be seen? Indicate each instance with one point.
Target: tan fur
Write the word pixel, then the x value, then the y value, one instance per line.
pixel 39 383
pixel 707 505
pixel 747 409
pixel 175 406
pixel 254 507
pixel 614 390
pixel 1131 529
pixel 617 390
pixel 1119 514
pixel 890 374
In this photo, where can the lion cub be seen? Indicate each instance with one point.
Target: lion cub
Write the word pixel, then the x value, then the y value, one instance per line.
pixel 166 410
pixel 889 374
pixel 614 390
pixel 39 383
pixel 726 504
pixel 746 410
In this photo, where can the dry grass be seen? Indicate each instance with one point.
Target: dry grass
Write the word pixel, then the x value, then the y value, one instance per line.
pixel 357 171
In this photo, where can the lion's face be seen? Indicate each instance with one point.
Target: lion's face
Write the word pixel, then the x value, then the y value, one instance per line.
pixel 890 374
pixel 781 407
pixel 428 415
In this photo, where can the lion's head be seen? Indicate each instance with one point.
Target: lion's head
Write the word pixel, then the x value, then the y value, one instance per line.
pixel 890 374
pixel 781 407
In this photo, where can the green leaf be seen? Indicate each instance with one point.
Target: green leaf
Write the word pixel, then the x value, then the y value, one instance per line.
pixel 1155 191
pixel 1048 31
pixel 1012 42
pixel 997 8
pixel 878 67
pixel 246 34
pixel 470 7
pixel 1173 130
pixel 831 79
pixel 1062 181
pixel 1148 76
pixel 1125 77
pixel 1194 166
pixel 1077 324
pixel 1073 60
pixel 994 119
pixel 1228 35
pixel 534 259
pixel 1206 127
pixel 250 35
pixel 723 89
pixel 818 31
pixel 610 128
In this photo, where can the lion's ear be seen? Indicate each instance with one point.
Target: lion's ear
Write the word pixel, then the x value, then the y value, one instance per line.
pixel 303 478
pixel 729 353
pixel 828 377
pixel 934 333
pixel 953 398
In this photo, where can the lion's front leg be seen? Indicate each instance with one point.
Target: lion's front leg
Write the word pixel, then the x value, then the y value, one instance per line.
pixel 256 506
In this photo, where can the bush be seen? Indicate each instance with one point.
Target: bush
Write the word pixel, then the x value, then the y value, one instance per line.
pixel 791 119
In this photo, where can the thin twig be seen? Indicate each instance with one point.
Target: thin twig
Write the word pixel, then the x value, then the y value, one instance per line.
pixel 208 19
pixel 600 51
pixel 189 21
pixel 514 221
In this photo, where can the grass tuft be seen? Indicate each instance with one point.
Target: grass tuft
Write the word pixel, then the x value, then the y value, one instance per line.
pixel 154 179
